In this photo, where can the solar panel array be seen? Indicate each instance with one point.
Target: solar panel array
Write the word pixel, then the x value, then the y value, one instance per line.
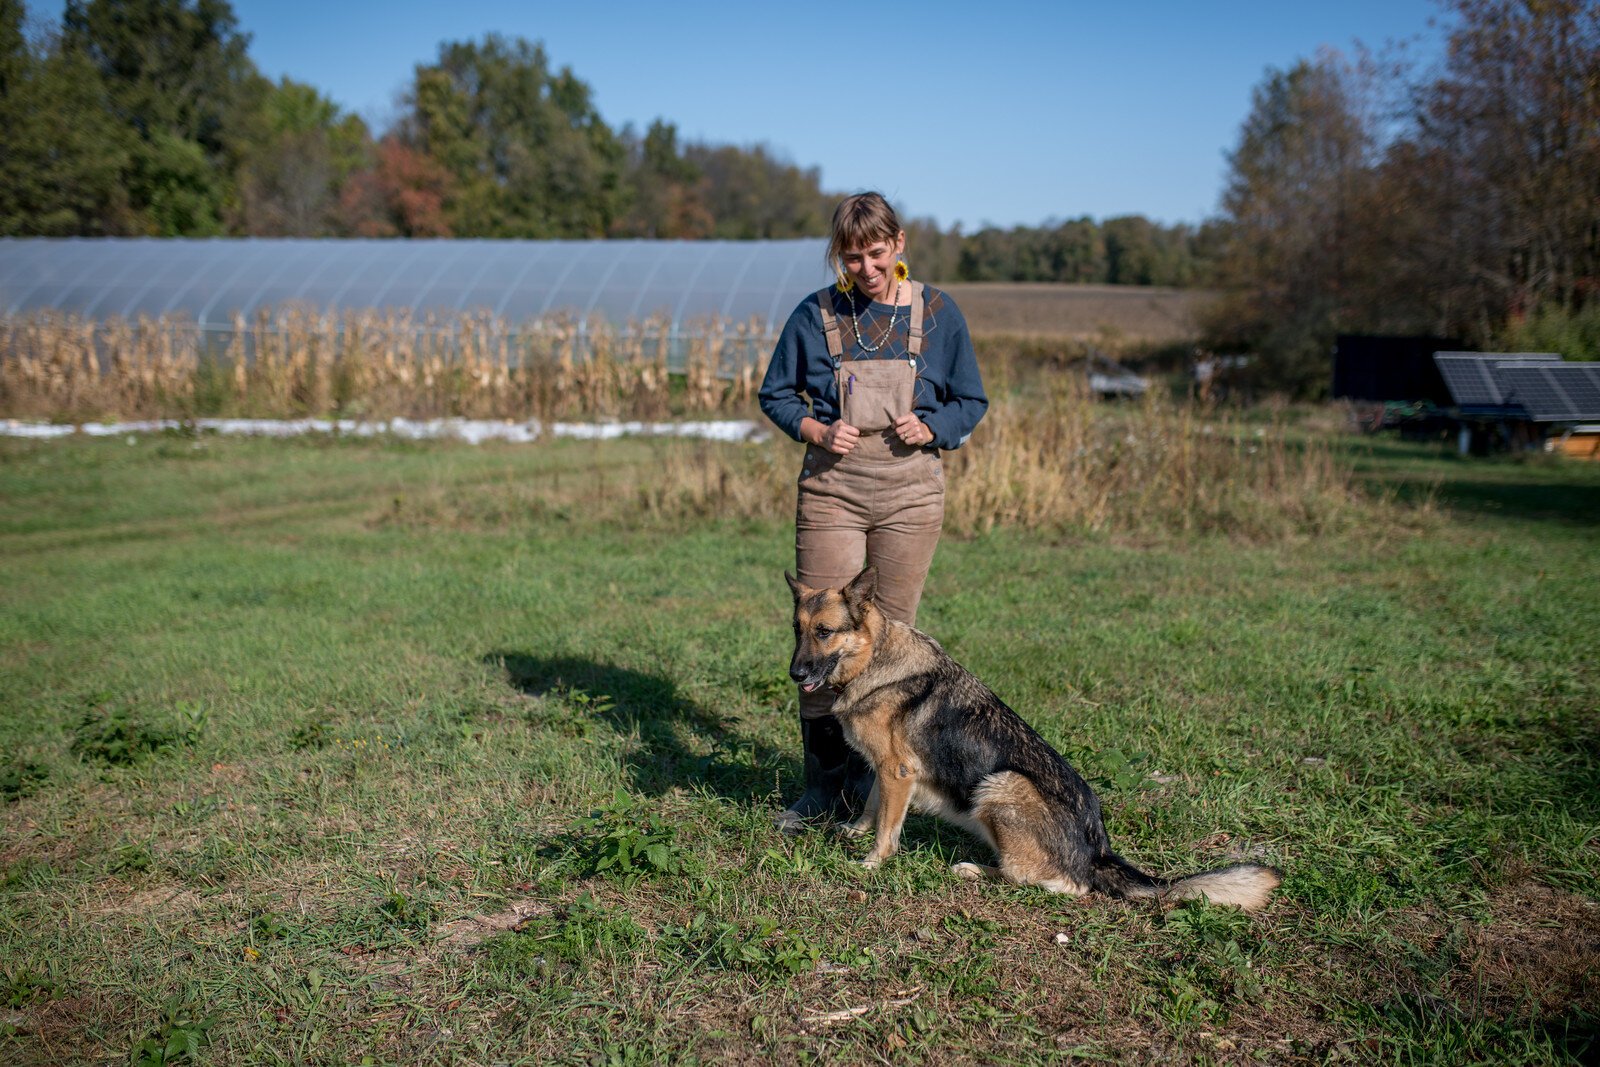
pixel 211 280
pixel 1471 378
pixel 1533 385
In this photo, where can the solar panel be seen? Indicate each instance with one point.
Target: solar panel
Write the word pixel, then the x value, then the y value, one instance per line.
pixel 1469 380
pixel 1474 379
pixel 1553 392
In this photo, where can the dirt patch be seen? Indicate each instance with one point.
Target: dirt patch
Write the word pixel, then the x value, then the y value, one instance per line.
pixel 17 656
pixel 55 1029
pixel 229 774
pixel 1541 952
pixel 165 901
pixel 466 932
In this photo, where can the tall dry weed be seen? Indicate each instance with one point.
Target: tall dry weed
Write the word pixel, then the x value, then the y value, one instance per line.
pixel 1065 463
pixel 1068 461
pixel 63 366
pixel 1069 464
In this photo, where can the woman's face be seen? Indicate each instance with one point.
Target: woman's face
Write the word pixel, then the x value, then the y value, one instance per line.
pixel 872 267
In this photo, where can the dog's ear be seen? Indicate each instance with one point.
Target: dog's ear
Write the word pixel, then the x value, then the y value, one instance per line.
pixel 862 588
pixel 794 586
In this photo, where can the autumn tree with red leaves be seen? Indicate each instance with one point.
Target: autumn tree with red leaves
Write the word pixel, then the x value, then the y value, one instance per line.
pixel 403 194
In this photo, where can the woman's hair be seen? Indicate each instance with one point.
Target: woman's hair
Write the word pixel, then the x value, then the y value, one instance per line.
pixel 858 221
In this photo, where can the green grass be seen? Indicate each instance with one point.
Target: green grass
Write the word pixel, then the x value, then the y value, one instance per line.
pixel 293 770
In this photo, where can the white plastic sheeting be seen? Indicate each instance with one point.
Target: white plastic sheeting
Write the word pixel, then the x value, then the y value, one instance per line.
pixel 472 431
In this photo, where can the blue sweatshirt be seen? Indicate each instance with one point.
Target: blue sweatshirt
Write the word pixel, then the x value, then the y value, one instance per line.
pixel 949 396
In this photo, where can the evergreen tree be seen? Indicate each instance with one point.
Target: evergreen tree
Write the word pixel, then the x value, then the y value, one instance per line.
pixel 61 169
pixel 175 74
pixel 665 192
pixel 527 154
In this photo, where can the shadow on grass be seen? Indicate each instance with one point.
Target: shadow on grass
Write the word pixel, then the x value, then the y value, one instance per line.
pixel 1504 490
pixel 681 743
pixel 1538 488
pixel 1575 1034
pixel 1568 502
pixel 1575 783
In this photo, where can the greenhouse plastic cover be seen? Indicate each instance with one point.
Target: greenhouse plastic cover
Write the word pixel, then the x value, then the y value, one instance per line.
pixel 210 280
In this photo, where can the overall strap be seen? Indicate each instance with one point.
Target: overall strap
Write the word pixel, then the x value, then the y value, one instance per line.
pixel 830 324
pixel 914 336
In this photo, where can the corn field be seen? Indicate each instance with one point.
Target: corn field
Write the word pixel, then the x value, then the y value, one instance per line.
pixel 295 361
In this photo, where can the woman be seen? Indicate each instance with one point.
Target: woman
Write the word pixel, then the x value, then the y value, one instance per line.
pixel 888 369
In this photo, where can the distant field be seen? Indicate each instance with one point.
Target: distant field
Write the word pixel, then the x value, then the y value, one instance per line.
pixel 1080 312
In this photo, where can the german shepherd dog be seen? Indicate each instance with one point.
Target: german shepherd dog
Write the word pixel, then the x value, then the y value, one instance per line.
pixel 940 741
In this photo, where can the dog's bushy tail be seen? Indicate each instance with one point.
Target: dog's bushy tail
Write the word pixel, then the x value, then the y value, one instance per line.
pixel 1244 885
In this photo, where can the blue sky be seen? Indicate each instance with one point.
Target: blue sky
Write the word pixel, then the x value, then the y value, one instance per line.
pixel 1002 112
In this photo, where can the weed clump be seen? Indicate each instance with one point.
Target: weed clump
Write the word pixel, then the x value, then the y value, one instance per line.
pixel 21 778
pixel 178 1038
pixel 762 946
pixel 572 938
pixel 624 841
pixel 1058 463
pixel 118 736
pixel 22 986
pixel 313 732
pixel 410 913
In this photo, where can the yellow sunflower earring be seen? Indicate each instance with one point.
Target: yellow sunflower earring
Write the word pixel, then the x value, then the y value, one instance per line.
pixel 901 271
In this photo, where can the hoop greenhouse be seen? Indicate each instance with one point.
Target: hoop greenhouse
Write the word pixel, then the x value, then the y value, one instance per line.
pixel 231 291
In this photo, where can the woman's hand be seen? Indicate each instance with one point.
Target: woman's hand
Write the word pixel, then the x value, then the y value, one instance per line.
pixel 839 437
pixel 912 431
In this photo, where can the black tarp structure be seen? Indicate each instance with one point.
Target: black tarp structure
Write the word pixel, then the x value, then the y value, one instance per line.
pixel 1382 368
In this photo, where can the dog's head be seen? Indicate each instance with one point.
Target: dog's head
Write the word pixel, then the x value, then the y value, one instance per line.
pixel 832 640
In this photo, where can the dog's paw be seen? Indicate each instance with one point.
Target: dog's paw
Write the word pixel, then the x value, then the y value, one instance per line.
pixel 970 871
pixel 854 830
pixel 870 863
pixel 789 821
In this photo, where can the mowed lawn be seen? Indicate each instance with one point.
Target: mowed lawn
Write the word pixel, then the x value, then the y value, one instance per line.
pixel 301 766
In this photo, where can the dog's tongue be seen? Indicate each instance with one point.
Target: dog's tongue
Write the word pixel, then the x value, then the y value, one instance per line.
pixel 810 687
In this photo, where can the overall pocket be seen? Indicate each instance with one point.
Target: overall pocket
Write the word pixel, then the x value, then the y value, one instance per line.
pixel 873 393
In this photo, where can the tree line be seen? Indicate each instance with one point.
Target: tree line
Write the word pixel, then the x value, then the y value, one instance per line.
pixel 1461 201
pixel 148 117
pixel 1124 250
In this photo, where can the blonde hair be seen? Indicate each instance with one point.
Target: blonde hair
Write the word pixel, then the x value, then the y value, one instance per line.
pixel 858 221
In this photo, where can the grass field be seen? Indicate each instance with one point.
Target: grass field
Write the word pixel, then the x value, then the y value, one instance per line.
pixel 297 770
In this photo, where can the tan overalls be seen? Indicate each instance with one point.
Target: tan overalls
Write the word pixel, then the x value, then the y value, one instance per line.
pixel 884 502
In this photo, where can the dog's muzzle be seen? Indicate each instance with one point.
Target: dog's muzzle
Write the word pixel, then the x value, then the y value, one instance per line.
pixel 813 676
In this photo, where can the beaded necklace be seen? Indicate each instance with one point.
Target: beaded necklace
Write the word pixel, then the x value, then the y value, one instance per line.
pixel 855 323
